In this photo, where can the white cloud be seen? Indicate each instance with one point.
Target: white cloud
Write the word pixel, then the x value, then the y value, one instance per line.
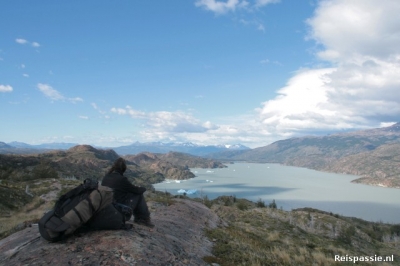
pixel 6 88
pixel 218 6
pixel 260 3
pixel 222 7
pixel 49 92
pixel 75 100
pixel 55 95
pixel 25 75
pixel 94 105
pixel 97 108
pixel 21 41
pixel 388 124
pixel 181 126
pixel 267 61
pixel 163 123
pixel 84 117
pixel 360 39
pixel 357 27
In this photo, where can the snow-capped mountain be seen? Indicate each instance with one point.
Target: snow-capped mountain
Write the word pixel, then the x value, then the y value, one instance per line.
pixel 134 148
pixel 186 147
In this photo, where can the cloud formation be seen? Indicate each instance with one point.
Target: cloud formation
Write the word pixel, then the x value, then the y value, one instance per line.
pixel 23 41
pixel 218 6
pixel 221 7
pixel 163 123
pixel 6 88
pixel 55 95
pixel 260 3
pixel 359 38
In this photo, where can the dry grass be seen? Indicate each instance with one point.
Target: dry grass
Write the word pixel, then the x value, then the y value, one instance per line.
pixel 265 236
pixel 30 213
pixel 165 198
pixel 45 192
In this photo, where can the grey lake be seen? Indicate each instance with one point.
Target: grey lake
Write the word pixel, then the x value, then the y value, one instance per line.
pixel 292 188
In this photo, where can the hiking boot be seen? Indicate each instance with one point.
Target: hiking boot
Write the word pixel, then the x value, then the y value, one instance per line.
pixel 144 221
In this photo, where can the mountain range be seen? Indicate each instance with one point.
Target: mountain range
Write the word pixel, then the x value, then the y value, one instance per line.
pixel 372 154
pixel 134 148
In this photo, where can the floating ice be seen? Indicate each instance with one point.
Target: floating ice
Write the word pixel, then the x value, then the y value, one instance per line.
pixel 188 192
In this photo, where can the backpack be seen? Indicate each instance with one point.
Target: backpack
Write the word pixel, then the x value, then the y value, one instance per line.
pixel 73 209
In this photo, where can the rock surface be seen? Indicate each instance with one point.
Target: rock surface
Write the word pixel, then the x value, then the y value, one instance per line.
pixel 177 239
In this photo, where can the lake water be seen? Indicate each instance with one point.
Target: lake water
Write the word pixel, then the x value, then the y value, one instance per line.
pixel 293 187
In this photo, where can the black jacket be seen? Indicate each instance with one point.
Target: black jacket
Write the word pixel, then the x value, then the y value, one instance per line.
pixel 121 185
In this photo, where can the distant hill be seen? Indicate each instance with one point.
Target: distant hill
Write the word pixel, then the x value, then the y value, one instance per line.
pixel 49 146
pixel 16 147
pixel 172 165
pixel 85 161
pixel 190 161
pixel 4 145
pixel 372 154
pixel 380 166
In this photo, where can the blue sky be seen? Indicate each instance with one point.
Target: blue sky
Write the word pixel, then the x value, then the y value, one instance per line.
pixel 110 73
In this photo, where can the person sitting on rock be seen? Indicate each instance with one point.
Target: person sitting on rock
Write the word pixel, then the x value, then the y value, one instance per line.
pixel 126 193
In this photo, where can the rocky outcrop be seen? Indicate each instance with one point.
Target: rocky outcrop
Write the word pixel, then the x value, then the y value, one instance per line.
pixel 171 242
pixel 109 155
pixel 190 161
pixel 158 165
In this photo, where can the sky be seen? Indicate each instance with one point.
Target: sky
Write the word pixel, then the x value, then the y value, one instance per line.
pixel 110 73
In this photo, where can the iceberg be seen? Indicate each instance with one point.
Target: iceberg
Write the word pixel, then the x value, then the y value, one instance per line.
pixel 191 191
pixel 188 192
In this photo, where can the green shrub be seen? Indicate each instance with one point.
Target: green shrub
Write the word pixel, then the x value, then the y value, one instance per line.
pixel 241 205
pixel 272 204
pixel 346 234
pixel 207 202
pixel 260 203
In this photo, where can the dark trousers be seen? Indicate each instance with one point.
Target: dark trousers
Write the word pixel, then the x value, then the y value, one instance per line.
pixel 138 205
